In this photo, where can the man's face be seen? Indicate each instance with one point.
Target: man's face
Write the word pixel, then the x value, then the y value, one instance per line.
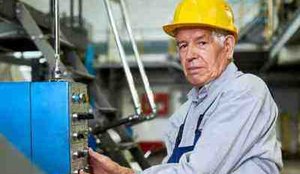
pixel 202 57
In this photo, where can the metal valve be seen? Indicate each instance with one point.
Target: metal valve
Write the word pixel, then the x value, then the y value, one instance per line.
pixel 83 97
pixel 78 136
pixel 84 116
pixel 80 154
pixel 86 169
pixel 75 98
pixel 79 98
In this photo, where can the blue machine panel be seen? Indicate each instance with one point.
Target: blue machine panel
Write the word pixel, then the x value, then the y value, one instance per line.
pixel 51 127
pixel 47 122
pixel 15 115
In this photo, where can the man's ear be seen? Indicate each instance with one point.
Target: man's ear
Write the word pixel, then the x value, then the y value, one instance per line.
pixel 229 46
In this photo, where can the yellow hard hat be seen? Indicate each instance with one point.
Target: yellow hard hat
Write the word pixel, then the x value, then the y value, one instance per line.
pixel 203 13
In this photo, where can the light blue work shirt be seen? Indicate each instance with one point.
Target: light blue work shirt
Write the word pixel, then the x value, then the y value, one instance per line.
pixel 238 130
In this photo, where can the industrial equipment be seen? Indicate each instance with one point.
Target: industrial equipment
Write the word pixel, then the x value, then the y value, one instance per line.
pixel 47 122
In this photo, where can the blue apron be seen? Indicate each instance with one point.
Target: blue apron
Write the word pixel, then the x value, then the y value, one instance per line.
pixel 179 151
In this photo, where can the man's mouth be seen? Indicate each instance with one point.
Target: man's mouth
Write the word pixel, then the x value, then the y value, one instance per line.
pixel 193 70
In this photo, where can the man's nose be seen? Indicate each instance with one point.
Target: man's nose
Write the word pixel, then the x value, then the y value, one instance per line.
pixel 191 53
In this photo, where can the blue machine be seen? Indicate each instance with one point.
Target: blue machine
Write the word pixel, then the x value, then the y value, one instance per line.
pixel 46 122
pixel 15 115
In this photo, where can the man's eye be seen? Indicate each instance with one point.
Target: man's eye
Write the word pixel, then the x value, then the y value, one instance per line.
pixel 182 46
pixel 202 43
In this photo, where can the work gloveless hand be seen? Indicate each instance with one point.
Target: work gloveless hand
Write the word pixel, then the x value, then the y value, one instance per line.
pixel 101 164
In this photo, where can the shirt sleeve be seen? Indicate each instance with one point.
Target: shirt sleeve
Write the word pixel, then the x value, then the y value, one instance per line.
pixel 234 126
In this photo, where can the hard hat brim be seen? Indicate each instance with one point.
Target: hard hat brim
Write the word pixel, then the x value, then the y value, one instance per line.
pixel 170 29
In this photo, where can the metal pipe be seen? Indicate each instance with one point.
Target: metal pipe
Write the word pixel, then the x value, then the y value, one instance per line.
pixel 80 13
pixel 129 120
pixel 145 80
pixel 72 12
pixel 51 7
pixel 127 71
pixel 57 27
pixel 51 13
pixel 270 25
pixel 57 71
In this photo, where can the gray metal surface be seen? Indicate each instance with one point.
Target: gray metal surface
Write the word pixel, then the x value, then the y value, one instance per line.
pixel 288 33
pixel 12 60
pixel 7 8
pixel 13 161
pixel 10 30
pixel 37 35
pixel 77 36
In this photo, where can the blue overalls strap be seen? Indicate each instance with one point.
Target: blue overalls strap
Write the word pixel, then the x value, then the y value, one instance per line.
pixel 179 151
pixel 180 132
pixel 197 130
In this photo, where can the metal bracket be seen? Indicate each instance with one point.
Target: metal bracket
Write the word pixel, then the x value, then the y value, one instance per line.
pixel 279 43
pixel 36 35
pixel 284 38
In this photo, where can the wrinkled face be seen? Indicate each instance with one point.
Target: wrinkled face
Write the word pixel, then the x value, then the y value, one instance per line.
pixel 202 57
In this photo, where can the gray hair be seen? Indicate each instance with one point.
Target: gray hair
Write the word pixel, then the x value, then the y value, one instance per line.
pixel 219 36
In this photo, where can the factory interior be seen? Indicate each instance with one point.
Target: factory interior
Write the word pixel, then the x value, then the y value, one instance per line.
pixel 103 74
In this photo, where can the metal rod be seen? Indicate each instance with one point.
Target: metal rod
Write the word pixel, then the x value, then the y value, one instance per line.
pixel 72 12
pixel 145 80
pixel 293 27
pixel 56 30
pixel 129 120
pixel 57 72
pixel 270 24
pixel 80 13
pixel 128 74
pixel 51 7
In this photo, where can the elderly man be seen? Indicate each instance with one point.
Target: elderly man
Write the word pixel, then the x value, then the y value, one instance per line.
pixel 227 125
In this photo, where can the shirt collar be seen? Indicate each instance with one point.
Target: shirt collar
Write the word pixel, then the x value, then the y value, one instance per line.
pixel 198 95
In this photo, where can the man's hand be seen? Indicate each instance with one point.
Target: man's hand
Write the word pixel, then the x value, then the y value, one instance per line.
pixel 101 164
